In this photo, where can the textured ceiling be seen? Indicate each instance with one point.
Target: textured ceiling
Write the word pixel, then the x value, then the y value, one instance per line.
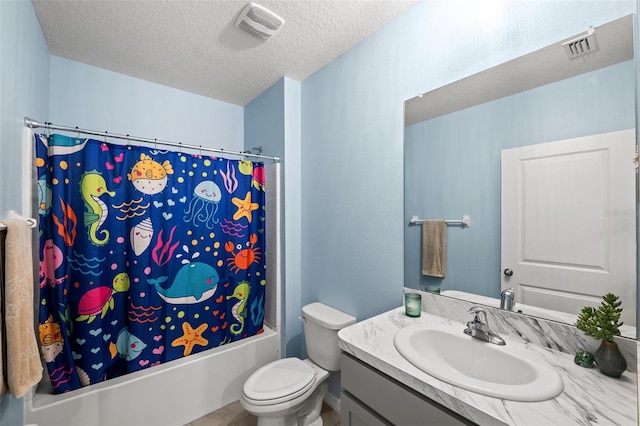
pixel 194 46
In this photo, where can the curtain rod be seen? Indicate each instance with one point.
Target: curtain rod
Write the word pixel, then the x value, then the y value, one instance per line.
pixel 28 122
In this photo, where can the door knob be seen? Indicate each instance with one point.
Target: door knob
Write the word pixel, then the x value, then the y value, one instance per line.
pixel 508 272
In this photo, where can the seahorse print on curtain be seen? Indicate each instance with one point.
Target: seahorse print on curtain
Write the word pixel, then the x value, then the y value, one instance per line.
pixel 146 256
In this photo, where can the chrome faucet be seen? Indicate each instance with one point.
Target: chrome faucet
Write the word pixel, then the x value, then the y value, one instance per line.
pixel 480 330
pixel 507 299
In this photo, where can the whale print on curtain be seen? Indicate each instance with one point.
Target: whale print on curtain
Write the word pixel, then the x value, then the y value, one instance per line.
pixel 146 256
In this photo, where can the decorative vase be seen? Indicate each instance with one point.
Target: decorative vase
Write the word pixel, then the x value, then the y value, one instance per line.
pixel 610 360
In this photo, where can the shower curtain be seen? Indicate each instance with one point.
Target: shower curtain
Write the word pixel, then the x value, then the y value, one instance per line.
pixel 146 256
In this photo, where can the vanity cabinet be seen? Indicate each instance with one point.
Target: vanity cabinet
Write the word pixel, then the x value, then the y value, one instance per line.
pixel 354 413
pixel 371 398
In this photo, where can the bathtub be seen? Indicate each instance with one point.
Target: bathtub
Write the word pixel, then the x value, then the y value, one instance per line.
pixel 172 394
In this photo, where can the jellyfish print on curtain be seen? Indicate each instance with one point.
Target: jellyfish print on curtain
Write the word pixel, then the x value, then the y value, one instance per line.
pixel 146 256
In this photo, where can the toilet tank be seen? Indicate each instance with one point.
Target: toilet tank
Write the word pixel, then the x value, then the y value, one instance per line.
pixel 321 326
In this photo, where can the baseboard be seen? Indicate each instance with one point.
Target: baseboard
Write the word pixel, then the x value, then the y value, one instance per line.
pixel 332 401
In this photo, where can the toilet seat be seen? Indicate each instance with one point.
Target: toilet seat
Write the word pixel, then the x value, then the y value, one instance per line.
pixel 280 381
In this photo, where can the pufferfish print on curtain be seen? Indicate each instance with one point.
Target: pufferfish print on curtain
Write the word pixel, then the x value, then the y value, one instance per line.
pixel 146 256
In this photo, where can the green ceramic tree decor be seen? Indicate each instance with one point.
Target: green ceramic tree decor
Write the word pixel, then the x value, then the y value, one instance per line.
pixel 604 324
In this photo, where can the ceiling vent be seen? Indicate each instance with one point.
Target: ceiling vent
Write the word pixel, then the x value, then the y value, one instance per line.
pixel 581 46
pixel 259 21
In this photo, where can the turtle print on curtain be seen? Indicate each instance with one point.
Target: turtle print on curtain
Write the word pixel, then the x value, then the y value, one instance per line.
pixel 146 256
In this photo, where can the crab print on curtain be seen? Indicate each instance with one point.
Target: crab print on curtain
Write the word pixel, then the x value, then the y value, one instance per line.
pixel 146 256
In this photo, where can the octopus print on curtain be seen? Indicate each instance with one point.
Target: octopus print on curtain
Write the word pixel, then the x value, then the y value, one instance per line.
pixel 145 256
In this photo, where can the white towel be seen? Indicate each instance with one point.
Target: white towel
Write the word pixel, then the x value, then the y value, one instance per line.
pixel 24 368
pixel 434 248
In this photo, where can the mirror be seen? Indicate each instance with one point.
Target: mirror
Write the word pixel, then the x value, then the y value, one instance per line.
pixel 454 137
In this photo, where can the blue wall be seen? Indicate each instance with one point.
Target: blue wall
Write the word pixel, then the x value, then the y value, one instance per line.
pixel 24 91
pixel 352 131
pixel 452 165
pixel 97 99
pixel 272 121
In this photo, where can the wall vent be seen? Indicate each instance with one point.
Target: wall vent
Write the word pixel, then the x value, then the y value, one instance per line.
pixel 259 21
pixel 581 46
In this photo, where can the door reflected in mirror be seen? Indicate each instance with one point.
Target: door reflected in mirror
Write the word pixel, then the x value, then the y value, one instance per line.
pixel 453 168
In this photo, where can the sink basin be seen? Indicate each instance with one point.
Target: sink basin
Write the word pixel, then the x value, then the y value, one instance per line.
pixel 509 372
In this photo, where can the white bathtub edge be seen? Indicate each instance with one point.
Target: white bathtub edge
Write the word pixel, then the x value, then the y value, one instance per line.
pixel 171 394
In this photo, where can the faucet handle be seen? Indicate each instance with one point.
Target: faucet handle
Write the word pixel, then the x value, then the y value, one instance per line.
pixel 480 330
pixel 476 311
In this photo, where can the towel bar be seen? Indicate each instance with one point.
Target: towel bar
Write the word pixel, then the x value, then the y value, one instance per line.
pixel 33 223
pixel 465 221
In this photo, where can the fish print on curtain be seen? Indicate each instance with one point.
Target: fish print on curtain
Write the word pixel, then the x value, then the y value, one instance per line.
pixel 146 256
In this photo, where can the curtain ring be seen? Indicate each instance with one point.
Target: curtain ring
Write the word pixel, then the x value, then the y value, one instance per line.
pixel 200 150
pixel 105 136
pixel 180 148
pixel 128 142
pixel 155 144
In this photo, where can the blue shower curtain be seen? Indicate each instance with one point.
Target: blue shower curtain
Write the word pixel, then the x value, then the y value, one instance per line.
pixel 146 256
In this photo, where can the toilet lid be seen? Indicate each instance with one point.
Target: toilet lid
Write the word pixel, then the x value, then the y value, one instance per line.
pixel 279 381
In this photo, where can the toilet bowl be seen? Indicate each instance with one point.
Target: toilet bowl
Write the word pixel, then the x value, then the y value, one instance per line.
pixel 284 390
pixel 290 391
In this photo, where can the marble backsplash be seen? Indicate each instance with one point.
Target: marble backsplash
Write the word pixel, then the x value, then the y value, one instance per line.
pixel 550 334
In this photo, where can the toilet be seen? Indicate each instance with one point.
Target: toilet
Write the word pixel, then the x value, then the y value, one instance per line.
pixel 290 391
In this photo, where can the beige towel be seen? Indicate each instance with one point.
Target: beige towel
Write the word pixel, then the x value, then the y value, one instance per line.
pixel 434 248
pixel 24 368
pixel 4 389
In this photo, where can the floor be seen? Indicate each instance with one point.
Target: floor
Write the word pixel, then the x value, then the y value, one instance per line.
pixel 234 415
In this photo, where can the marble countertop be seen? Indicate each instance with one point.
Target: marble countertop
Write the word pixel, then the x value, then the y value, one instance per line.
pixel 589 397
